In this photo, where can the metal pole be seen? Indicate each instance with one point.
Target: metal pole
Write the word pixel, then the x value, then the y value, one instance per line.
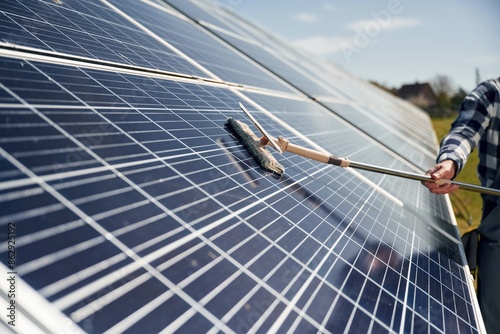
pixel 419 177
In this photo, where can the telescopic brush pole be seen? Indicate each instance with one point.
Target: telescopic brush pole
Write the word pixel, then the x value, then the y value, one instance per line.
pixel 280 144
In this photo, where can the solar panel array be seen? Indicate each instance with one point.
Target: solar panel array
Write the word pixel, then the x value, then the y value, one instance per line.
pixel 136 210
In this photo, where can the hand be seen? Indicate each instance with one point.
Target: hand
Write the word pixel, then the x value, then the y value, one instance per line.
pixel 443 170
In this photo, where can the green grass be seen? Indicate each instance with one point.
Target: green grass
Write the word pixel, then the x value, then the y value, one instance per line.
pixel 471 201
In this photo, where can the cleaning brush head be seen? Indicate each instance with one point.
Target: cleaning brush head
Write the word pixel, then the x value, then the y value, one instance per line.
pixel 252 143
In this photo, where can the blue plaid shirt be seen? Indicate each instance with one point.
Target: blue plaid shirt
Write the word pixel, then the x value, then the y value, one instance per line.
pixel 478 124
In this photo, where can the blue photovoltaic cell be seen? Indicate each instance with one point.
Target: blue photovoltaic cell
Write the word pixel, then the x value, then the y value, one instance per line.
pixel 398 137
pixel 87 29
pixel 193 10
pixel 136 208
pixel 201 47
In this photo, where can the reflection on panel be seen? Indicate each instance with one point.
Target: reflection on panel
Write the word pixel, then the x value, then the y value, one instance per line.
pixel 211 54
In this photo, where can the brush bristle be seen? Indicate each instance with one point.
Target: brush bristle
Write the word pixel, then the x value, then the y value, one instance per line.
pixel 250 141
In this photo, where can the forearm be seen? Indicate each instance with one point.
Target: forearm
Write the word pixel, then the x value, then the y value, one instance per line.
pixel 457 148
pixel 466 131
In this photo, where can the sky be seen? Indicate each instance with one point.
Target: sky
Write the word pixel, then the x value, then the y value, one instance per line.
pixel 392 42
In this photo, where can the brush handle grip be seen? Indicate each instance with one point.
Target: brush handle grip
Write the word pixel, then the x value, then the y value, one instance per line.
pixel 285 145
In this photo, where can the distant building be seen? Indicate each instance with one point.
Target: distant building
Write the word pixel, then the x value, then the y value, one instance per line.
pixel 420 94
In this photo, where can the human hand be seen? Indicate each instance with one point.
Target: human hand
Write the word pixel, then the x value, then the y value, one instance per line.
pixel 443 170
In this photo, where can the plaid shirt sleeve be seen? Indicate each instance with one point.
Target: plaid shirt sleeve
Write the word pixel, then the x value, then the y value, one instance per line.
pixel 476 125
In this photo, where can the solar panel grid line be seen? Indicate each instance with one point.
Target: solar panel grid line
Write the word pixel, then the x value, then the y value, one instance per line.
pixel 420 287
pixel 376 134
pixel 66 282
pixel 391 130
pixel 125 230
pixel 43 261
pixel 376 259
pixel 214 292
pixel 201 12
pixel 192 278
pixel 243 27
pixel 24 240
pixel 28 267
pixel 164 7
pixel 295 324
pixel 321 66
pixel 278 322
pixel 180 321
pixel 26 53
pixel 173 245
pixel 231 57
pixel 96 305
pixel 312 298
pixel 112 124
pixel 306 139
pixel 20 194
pixel 212 26
pixel 397 113
pixel 305 285
pixel 20 26
pixel 136 316
pixel 4 220
pixel 160 75
pixel 151 44
pixel 350 322
pixel 405 300
pixel 74 173
pixel 160 40
pixel 329 315
pixel 418 290
pixel 64 27
pixel 90 221
pixel 227 21
pixel 244 301
pixel 266 314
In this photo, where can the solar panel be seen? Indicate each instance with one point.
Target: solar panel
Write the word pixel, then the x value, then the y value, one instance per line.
pixel 134 208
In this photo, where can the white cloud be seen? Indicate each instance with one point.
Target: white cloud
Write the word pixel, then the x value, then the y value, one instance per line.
pixel 321 45
pixel 384 23
pixel 306 18
pixel 329 7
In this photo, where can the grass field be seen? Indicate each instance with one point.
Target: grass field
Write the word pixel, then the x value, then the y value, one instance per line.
pixel 467 205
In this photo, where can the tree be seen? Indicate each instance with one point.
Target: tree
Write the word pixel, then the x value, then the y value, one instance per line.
pixel 444 89
pixel 442 84
pixel 457 99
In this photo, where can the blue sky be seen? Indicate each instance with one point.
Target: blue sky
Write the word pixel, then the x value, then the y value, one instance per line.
pixel 393 41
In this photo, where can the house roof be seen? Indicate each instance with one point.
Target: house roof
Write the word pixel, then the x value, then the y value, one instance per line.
pixel 418 92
